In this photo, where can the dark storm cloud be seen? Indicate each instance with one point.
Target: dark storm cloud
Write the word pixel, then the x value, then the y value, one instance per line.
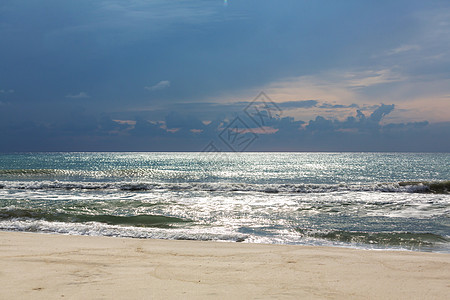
pixel 360 122
pixel 80 130
pixel 179 120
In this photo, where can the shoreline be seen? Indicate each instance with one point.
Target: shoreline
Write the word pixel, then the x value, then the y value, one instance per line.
pixel 35 265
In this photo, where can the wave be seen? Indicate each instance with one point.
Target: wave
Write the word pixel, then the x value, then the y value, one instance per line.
pixel 402 239
pixel 20 172
pixel 436 187
pixel 416 241
pixel 136 221
pixel 439 187
pixel 94 174
pixel 102 229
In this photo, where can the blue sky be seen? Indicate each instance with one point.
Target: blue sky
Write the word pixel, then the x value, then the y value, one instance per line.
pixel 173 75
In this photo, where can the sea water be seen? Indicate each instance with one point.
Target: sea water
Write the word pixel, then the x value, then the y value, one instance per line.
pixel 362 200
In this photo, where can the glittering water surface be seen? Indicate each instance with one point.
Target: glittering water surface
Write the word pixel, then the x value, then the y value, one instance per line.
pixel 365 200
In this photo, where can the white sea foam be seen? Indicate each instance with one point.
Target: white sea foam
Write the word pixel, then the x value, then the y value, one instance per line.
pixel 196 186
pixel 100 229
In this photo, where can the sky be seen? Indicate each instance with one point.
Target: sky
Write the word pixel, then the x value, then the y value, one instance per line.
pixel 213 75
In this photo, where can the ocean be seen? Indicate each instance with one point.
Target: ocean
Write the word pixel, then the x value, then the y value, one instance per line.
pixel 395 201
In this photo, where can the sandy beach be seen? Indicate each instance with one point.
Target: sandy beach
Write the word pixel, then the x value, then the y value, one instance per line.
pixel 79 267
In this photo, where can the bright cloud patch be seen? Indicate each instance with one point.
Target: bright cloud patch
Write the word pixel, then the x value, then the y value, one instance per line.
pixel 159 86
pixel 80 95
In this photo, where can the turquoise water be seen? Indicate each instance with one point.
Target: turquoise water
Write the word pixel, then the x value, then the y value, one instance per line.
pixel 362 200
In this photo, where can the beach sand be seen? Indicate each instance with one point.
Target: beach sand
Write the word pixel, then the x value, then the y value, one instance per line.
pixel 48 266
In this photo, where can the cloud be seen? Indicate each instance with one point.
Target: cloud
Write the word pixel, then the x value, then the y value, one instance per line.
pixel 343 86
pixel 178 120
pixel 6 91
pixel 360 123
pixel 380 112
pixel 411 125
pixel 159 86
pixel 80 130
pixel 298 104
pixel 132 20
pixel 159 11
pixel 334 106
pixel 371 77
pixel 320 124
pixel 80 95
pixel 402 48
pixel 423 97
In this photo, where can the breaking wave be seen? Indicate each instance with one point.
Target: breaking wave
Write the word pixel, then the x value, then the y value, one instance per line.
pixel 102 229
pixel 137 221
pixel 402 239
pixel 441 187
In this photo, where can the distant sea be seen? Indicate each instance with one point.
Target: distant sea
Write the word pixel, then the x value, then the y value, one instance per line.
pixel 359 200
